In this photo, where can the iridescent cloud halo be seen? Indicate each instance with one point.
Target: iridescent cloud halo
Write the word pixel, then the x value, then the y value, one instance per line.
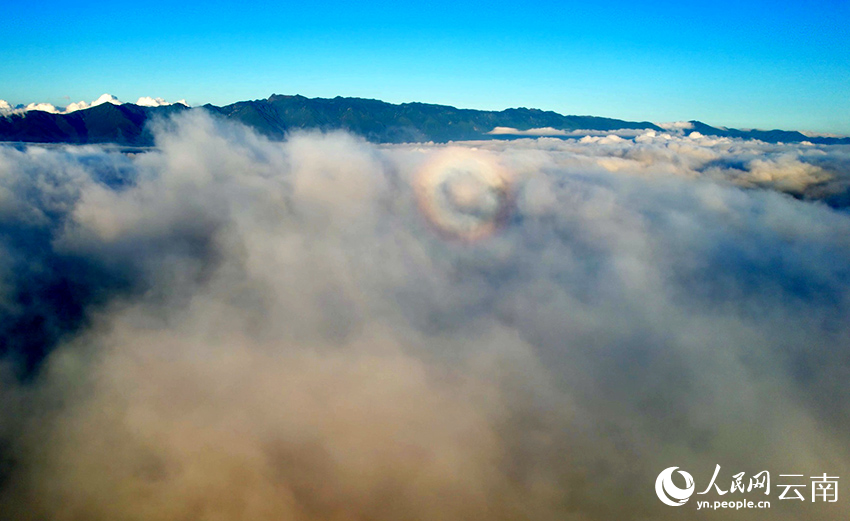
pixel 464 194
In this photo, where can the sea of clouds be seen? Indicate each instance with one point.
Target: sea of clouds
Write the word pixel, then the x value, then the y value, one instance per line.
pixel 225 327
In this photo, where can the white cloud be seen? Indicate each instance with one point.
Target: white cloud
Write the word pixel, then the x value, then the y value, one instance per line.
pixel 785 173
pixel 676 125
pixel 147 101
pixel 43 107
pixel 545 131
pixel 280 329
pixel 49 107
pixel 6 109
pixel 607 140
pixel 553 132
pixel 106 98
pixel 80 105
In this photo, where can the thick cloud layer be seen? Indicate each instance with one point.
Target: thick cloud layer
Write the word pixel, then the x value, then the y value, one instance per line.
pixel 230 328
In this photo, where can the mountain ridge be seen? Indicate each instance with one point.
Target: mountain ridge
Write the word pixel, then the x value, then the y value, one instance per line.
pixel 375 120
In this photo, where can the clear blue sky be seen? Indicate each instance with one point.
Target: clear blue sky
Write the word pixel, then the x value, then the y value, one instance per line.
pixel 777 64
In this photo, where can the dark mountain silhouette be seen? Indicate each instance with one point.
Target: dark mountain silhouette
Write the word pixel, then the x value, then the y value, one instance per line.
pixel 105 123
pixel 770 136
pixel 388 123
pixel 375 120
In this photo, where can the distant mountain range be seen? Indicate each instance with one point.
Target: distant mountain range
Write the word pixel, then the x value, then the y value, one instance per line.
pixel 375 120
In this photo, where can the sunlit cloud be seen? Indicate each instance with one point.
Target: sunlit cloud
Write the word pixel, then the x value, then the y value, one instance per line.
pixel 235 328
pixel 7 109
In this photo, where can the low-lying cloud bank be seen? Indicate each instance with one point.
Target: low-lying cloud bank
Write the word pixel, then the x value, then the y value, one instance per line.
pixel 323 329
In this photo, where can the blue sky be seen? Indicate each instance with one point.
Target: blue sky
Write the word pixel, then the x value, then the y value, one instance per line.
pixel 777 64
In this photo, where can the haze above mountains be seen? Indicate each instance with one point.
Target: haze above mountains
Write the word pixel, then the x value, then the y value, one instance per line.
pixel 107 120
